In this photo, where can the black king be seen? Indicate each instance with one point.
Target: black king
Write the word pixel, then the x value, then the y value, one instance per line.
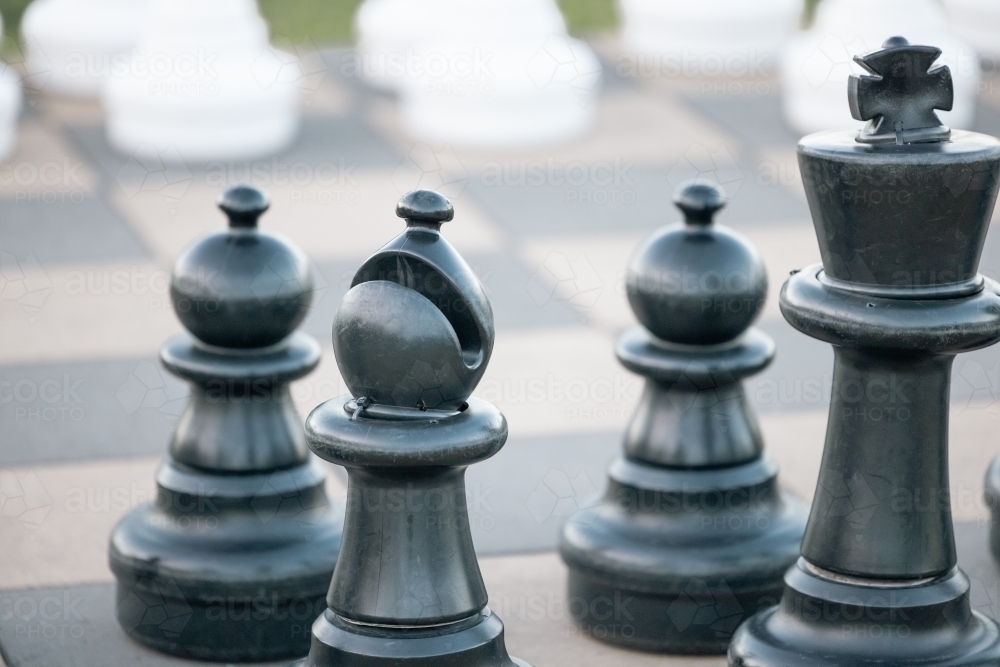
pixel 901 212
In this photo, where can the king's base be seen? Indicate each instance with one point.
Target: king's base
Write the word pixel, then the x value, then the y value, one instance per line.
pixel 673 560
pixel 698 621
pixel 227 568
pixel 475 642
pixel 825 621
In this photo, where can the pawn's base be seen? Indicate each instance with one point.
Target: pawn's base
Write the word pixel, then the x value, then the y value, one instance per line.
pixel 227 568
pixel 698 621
pixel 674 560
pixel 475 642
pixel 828 620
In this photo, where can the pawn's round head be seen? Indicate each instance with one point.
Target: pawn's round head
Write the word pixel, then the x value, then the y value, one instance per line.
pixel 696 283
pixel 241 288
pixel 416 328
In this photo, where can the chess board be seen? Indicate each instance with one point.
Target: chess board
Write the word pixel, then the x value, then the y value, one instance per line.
pixel 88 238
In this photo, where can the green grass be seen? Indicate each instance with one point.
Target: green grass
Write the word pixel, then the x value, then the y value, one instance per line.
pixel 810 10
pixel 585 16
pixel 329 21
pixel 315 20
pixel 12 10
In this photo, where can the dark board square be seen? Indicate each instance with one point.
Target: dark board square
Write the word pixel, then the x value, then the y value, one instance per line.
pixel 78 228
pixel 78 411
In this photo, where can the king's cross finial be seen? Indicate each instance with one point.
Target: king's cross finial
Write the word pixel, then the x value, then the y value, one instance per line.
pixel 900 97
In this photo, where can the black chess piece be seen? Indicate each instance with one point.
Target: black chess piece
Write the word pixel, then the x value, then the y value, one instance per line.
pixel 901 217
pixel 412 337
pixel 232 559
pixel 693 534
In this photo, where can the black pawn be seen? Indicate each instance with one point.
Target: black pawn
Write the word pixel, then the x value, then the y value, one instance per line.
pixel 412 337
pixel 232 559
pixel 693 534
pixel 901 212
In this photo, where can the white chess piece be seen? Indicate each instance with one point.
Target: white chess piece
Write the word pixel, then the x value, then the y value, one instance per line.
pixel 204 84
pixel 70 44
pixel 482 73
pixel 528 94
pixel 10 106
pixel 390 33
pixel 732 38
pixel 977 21
pixel 817 63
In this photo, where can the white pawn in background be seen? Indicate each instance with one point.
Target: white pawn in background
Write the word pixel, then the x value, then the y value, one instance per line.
pixel 733 38
pixel 389 32
pixel 977 21
pixel 71 44
pixel 817 63
pixel 11 99
pixel 204 84
pixel 480 73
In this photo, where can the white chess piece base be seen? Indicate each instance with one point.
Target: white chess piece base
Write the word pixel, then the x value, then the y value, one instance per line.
pixel 725 37
pixel 10 109
pixel 11 99
pixel 531 94
pixel 392 35
pixel 205 85
pixel 71 44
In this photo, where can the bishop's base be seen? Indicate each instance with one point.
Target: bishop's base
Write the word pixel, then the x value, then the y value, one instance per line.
pixel 823 621
pixel 475 642
pixel 673 560
pixel 227 568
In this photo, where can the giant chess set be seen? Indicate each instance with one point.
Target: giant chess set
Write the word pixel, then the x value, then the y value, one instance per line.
pixel 360 370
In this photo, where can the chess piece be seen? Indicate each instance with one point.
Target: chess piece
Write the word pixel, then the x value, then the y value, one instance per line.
pixel 901 211
pixel 529 94
pixel 977 22
pixel 202 85
pixel 412 337
pixel 72 45
pixel 232 560
pixel 392 33
pixel 11 100
pixel 693 530
pixel 480 73
pixel 816 65
pixel 720 38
